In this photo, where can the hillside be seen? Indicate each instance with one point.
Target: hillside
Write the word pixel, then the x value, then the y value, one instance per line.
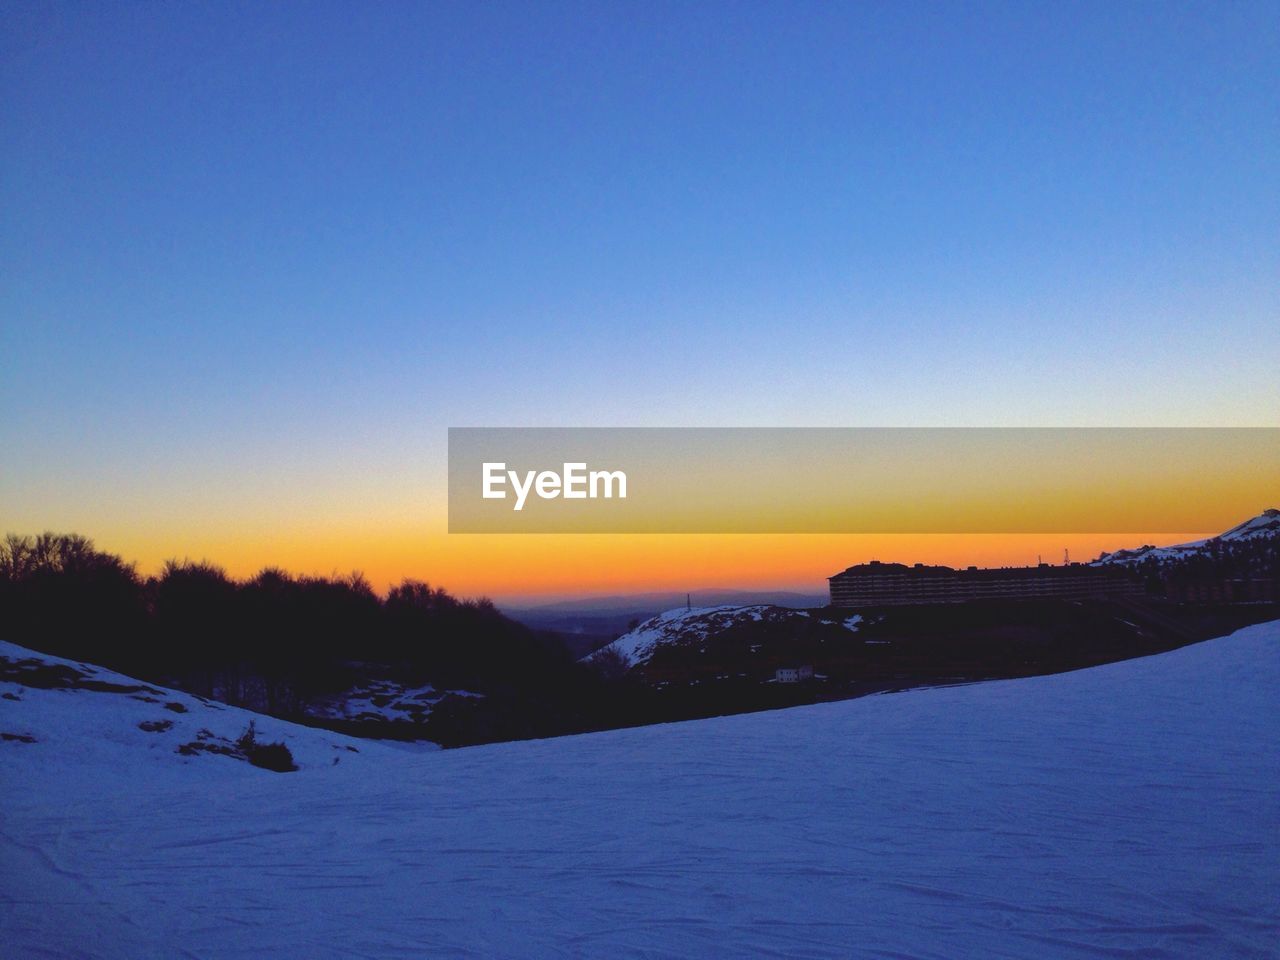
pixel 1125 810
pixel 1265 525
pixel 692 626
pixel 92 721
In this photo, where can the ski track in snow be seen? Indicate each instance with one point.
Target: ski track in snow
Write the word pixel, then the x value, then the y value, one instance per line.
pixel 1127 811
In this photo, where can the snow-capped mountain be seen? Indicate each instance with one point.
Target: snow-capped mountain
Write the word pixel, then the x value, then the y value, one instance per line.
pixel 1265 524
pixel 688 627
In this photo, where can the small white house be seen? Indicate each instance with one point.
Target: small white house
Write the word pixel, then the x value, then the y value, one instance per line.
pixel 794 674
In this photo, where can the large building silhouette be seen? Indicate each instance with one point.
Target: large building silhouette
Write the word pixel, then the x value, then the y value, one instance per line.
pixel 878 584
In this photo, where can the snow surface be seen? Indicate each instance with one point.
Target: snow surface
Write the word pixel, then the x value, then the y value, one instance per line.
pixel 1129 810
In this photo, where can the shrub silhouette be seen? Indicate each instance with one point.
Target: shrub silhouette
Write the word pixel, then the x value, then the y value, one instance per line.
pixel 610 663
pixel 269 756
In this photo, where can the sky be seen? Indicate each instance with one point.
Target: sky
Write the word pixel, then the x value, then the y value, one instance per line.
pixel 258 258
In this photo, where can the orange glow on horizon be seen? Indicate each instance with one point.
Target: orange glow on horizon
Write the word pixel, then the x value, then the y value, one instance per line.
pixel 515 566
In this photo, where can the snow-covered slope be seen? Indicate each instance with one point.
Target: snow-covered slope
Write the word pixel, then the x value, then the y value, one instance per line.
pixel 89 721
pixel 1265 524
pixel 1130 810
pixel 687 627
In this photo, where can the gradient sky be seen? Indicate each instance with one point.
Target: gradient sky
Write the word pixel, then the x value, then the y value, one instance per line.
pixel 257 258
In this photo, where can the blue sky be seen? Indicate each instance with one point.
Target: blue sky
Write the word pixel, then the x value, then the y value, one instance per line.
pixel 284 246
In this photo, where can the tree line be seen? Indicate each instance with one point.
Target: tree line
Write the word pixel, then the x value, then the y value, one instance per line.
pixel 277 642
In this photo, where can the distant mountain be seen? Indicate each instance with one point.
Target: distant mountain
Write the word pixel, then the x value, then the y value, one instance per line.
pixel 686 628
pixel 1265 524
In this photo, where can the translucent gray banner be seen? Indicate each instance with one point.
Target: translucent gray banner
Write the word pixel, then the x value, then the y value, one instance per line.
pixel 859 480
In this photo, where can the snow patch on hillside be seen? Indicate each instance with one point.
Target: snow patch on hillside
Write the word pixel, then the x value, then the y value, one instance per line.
pixel 385 700
pixel 681 626
pixel 688 627
pixel 1265 524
